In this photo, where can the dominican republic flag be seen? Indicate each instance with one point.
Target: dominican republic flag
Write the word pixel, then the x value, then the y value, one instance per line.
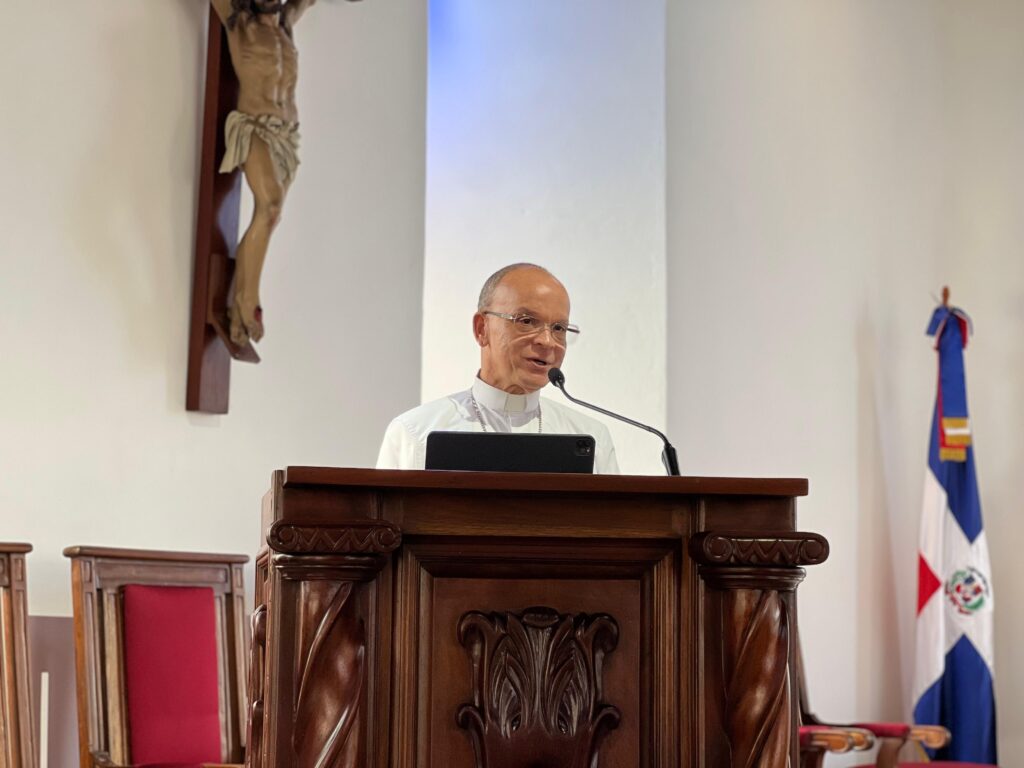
pixel 953 668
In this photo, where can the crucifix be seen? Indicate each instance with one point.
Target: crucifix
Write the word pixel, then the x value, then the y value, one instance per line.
pixel 250 128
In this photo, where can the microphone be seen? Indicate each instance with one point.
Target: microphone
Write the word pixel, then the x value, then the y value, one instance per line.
pixel 668 455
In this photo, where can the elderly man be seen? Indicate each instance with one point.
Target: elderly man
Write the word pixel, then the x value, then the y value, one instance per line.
pixel 522 327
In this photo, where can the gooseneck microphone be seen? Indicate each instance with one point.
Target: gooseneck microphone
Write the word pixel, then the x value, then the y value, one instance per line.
pixel 668 455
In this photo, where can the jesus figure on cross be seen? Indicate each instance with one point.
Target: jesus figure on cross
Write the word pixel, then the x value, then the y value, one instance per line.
pixel 261 136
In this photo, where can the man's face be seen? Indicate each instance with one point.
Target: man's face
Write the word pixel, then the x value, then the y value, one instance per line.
pixel 515 362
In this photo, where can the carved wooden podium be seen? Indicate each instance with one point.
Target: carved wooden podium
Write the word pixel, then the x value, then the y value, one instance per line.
pixel 479 620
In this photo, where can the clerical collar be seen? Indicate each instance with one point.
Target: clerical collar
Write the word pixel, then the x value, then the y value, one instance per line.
pixel 499 400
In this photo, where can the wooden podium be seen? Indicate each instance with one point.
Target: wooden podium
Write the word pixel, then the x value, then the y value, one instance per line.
pixel 492 620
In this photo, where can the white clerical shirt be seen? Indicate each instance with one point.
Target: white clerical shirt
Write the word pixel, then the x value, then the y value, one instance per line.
pixel 405 441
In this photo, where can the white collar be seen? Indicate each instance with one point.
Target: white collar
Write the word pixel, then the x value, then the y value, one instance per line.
pixel 499 400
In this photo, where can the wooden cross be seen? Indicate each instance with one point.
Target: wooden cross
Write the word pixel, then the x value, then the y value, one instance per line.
pixel 210 348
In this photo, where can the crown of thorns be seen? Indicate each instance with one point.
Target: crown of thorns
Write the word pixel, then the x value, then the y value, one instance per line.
pixel 250 6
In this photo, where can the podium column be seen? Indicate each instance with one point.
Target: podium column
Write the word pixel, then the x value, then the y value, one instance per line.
pixel 750 584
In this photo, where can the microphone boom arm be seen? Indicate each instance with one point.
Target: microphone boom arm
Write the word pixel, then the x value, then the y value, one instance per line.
pixel 668 455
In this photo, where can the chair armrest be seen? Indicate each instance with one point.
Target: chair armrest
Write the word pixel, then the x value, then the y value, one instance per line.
pixel 894 735
pixel 862 737
pixel 887 730
pixel 823 738
pixel 930 736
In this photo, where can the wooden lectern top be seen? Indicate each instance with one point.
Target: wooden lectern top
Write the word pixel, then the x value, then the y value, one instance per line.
pixel 545 482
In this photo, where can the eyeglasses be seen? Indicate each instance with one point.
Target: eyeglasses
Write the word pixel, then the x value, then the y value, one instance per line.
pixel 528 325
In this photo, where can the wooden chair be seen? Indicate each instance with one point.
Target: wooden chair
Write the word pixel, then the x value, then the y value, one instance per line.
pixel 160 653
pixel 817 737
pixel 17 740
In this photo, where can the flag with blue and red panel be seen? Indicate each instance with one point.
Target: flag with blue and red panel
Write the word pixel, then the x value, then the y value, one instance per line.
pixel 953 672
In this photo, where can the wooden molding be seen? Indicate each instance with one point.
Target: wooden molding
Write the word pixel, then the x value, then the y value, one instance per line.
pixel 349 537
pixel 782 549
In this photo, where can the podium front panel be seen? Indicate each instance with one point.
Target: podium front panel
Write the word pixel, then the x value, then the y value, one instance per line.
pixel 518 621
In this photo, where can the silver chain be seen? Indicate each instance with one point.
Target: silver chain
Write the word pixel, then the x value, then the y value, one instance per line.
pixel 483 426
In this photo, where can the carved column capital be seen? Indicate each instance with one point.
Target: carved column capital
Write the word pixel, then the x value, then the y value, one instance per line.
pixel 771 561
pixel 347 537
pixel 793 548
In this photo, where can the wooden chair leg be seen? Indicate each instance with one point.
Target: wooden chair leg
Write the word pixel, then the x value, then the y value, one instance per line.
pixel 888 752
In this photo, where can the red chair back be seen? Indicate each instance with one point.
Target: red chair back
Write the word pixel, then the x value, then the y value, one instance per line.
pixel 160 650
pixel 170 670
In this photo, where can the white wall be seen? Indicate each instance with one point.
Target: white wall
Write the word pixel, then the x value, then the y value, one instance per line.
pixel 99 159
pixel 830 164
pixel 985 238
pixel 546 144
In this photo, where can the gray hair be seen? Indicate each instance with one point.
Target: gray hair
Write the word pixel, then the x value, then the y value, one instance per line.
pixel 492 282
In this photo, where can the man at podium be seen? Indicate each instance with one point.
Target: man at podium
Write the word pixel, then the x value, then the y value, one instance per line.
pixel 522 326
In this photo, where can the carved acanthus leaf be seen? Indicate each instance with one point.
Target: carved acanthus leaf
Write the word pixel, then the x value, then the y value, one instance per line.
pixel 537 687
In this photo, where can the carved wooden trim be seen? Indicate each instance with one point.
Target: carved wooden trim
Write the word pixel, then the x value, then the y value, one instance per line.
pixel 537 686
pixel 732 577
pixel 332 681
pixel 349 537
pixel 783 549
pixel 758 695
pixel 254 728
pixel 316 675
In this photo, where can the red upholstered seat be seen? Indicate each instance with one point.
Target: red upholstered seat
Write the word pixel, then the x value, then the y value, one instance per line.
pixel 170 669
pixel 887 730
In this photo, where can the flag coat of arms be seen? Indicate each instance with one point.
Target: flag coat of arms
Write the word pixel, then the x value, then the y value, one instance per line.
pixel 953 669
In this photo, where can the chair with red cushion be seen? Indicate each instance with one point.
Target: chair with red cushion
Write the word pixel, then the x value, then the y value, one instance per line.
pixel 17 739
pixel 159 657
pixel 892 736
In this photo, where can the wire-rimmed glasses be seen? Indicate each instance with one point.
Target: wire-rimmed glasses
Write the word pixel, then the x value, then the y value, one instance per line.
pixel 526 324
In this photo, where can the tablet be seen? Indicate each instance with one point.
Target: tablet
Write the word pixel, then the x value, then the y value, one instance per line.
pixel 510 452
